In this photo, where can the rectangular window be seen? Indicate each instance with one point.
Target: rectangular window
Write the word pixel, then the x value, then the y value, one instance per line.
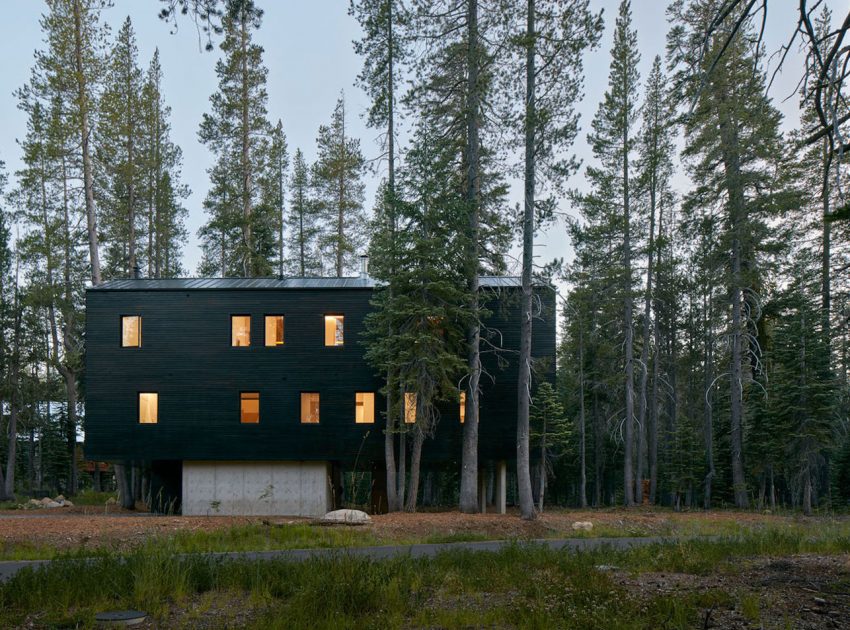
pixel 409 407
pixel 131 331
pixel 309 408
pixel 462 407
pixel 334 330
pixel 148 408
pixel 274 330
pixel 364 407
pixel 240 330
pixel 249 407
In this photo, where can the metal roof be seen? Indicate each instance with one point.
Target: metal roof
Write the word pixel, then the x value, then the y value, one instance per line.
pixel 187 284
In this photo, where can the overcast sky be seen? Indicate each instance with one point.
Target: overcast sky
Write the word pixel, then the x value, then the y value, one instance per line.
pixel 310 59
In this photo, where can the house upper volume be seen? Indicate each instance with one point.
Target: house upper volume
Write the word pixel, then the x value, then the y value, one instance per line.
pixel 184 373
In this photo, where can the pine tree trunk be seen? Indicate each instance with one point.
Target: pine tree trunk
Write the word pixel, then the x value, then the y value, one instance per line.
pixel 737 218
pixel 402 465
pixel 826 243
pixel 415 462
pixel 88 176
pixel 708 412
pixel 389 452
pixel 14 398
pixel 582 421
pixel 131 180
pixel 628 329
pixel 469 455
pixel 526 504
pixel 247 175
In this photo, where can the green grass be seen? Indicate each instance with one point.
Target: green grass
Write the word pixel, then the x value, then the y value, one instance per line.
pixel 525 586
pixel 90 497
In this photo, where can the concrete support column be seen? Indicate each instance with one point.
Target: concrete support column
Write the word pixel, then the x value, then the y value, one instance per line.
pixel 502 487
pixel 482 491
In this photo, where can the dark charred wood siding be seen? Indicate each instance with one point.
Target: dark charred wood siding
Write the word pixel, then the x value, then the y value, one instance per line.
pixel 187 359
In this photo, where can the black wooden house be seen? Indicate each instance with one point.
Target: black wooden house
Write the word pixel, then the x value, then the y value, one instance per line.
pixel 251 395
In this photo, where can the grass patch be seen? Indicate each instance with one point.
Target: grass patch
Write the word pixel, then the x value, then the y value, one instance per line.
pixel 90 497
pixel 522 585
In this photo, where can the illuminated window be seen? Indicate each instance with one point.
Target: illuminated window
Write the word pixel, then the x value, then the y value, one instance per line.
pixel 462 407
pixel 334 330
pixel 364 407
pixel 131 331
pixel 240 330
pixel 148 407
pixel 309 408
pixel 409 407
pixel 249 407
pixel 274 330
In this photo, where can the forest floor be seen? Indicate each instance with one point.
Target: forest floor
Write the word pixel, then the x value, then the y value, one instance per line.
pixel 40 534
pixel 758 571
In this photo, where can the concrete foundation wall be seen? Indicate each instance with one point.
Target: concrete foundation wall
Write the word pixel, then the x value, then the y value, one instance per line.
pixel 256 488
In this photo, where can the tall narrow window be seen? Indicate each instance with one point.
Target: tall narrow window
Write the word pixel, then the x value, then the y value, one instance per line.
pixel 462 407
pixel 334 330
pixel 148 408
pixel 240 330
pixel 131 331
pixel 274 330
pixel 309 408
pixel 410 407
pixel 364 408
pixel 249 407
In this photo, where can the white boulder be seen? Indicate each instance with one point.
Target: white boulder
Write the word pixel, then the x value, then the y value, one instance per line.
pixel 582 526
pixel 348 517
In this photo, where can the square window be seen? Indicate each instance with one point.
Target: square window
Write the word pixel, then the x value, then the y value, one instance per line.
pixel 462 407
pixel 364 407
pixel 249 407
pixel 148 407
pixel 274 330
pixel 240 330
pixel 334 330
pixel 309 408
pixel 131 331
pixel 410 407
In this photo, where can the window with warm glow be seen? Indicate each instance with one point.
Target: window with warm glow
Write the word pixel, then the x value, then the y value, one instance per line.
pixel 131 331
pixel 240 330
pixel 274 330
pixel 410 407
pixel 364 407
pixel 462 407
pixel 334 330
pixel 309 408
pixel 148 408
pixel 249 407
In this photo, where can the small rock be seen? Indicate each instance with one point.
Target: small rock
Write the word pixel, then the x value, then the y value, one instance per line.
pixel 584 526
pixel 67 503
pixel 60 498
pixel 349 517
pixel 50 503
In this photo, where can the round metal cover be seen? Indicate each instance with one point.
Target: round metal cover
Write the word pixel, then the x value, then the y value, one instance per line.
pixel 120 617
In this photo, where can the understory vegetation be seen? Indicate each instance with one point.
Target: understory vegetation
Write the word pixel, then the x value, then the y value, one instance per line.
pixel 523 585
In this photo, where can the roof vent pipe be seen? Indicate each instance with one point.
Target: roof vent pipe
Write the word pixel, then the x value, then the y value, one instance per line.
pixel 364 266
pixel 136 273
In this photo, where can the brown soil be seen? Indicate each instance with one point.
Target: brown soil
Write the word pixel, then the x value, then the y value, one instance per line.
pixel 65 528
pixel 801 592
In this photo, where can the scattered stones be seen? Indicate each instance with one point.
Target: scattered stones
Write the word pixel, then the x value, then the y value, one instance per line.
pixel 583 526
pixel 348 517
pixel 47 502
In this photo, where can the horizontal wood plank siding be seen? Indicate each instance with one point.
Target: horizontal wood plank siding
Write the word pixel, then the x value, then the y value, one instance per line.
pixel 187 359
